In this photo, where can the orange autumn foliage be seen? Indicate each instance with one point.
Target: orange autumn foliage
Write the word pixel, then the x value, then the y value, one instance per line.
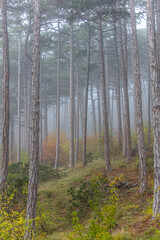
pixel 49 149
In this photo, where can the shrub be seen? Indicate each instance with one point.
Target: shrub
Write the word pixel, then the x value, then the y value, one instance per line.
pixel 103 221
pixel 18 175
pixel 13 221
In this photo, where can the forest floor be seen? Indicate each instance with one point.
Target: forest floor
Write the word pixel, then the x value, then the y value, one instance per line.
pixel 133 215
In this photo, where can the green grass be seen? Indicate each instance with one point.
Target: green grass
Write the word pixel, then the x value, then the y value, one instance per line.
pixel 133 220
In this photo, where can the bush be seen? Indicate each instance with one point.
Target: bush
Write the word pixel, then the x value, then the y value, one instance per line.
pixel 18 175
pixel 103 221
pixel 88 194
pixel 13 221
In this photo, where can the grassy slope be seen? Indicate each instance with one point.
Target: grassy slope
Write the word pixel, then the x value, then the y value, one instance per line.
pixel 132 217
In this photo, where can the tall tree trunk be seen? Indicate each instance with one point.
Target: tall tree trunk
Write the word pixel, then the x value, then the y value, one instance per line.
pixel 77 115
pixel 107 90
pixel 40 120
pixel 12 138
pixel 45 119
pixel 156 105
pixel 99 117
pixel 58 100
pixel 71 153
pixel 33 169
pixel 118 93
pixel 104 104
pixel 149 108
pixel 19 101
pixel 86 97
pixel 93 109
pixel 139 114
pixel 123 54
pixel 5 100
pixel 29 113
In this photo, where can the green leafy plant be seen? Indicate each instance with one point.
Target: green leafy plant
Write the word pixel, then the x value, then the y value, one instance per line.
pixel 103 220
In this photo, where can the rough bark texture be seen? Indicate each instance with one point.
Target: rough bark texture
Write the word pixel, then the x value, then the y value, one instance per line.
pixel 19 102
pixel 34 161
pixel 104 104
pixel 5 98
pixel 138 95
pixel 86 98
pixel 58 101
pixel 156 105
pixel 71 152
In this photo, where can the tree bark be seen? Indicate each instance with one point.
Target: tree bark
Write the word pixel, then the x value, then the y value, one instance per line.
pixel 138 95
pixel 104 104
pixel 19 101
pixel 93 109
pixel 156 105
pixel 45 119
pixel 77 115
pixel 34 162
pixel 58 100
pixel 5 98
pixel 86 97
pixel 118 93
pixel 71 153
pixel 123 54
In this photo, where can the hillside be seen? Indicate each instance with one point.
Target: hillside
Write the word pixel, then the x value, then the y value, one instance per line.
pixel 133 212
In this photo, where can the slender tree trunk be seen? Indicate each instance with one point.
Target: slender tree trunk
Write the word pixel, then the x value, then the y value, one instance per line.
pixel 156 105
pixel 93 110
pixel 86 97
pixel 19 101
pixel 99 110
pixel 118 93
pixel 58 100
pixel 107 90
pixel 99 118
pixel 125 90
pixel 45 120
pixel 12 138
pixel 40 120
pixel 77 115
pixel 139 114
pixel 71 153
pixel 149 108
pixel 5 98
pixel 33 169
pixel 104 104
